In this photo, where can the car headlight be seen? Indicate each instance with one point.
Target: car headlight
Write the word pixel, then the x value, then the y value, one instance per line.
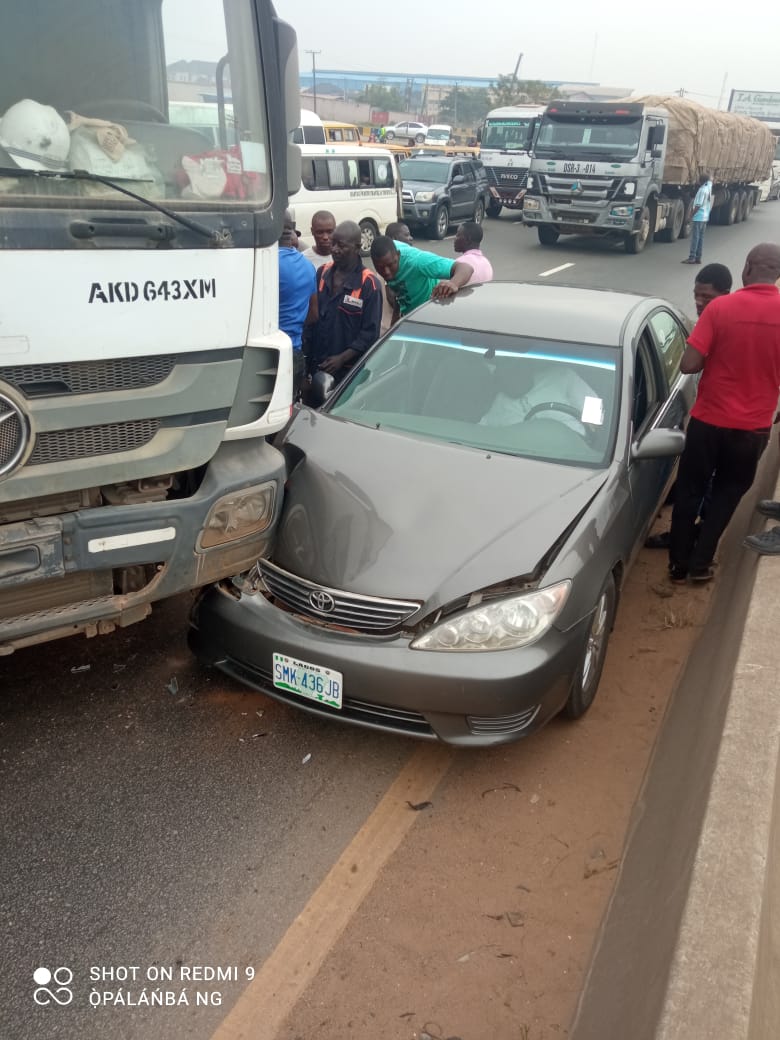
pixel 530 203
pixel 424 196
pixel 502 624
pixel 241 513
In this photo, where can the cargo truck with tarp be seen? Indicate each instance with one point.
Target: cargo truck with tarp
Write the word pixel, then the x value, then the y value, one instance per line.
pixel 630 169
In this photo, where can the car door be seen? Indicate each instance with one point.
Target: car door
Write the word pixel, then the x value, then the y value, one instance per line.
pixel 648 479
pixel 460 206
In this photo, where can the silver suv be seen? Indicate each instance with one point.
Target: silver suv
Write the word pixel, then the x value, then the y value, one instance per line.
pixel 441 190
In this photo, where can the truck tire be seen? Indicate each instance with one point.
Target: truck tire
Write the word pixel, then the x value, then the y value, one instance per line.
pixel 743 206
pixel 676 220
pixel 493 207
pixel 637 242
pixel 548 236
pixel 441 223
pixel 731 209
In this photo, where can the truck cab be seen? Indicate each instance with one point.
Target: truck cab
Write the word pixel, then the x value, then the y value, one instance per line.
pixel 506 141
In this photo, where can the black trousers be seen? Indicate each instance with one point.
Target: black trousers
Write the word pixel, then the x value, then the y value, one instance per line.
pixel 728 457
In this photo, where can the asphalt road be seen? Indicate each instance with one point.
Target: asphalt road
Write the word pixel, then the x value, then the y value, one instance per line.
pixel 158 817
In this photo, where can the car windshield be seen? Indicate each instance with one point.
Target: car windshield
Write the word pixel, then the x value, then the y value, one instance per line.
pixel 580 135
pixel 508 134
pixel 439 133
pixel 509 394
pixel 420 170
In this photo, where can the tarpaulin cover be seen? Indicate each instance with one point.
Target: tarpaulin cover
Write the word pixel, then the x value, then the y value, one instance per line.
pixel 731 148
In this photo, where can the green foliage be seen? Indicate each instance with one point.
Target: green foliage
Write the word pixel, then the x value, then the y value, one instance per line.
pixel 464 106
pixel 509 91
pixel 386 99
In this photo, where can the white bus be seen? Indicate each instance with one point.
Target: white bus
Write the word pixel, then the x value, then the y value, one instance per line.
pixel 360 184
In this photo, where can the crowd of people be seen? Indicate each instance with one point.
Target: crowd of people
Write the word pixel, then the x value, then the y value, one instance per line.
pixel 334 308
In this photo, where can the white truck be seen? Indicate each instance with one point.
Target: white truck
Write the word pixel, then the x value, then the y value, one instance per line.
pixel 506 138
pixel 630 169
pixel 141 364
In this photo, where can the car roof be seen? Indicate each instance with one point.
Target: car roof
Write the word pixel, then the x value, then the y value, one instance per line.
pixel 559 312
pixel 435 157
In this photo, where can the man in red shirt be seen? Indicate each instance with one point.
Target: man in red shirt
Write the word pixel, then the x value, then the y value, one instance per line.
pixel 736 347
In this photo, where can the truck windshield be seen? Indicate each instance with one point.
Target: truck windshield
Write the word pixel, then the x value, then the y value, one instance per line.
pixel 610 137
pixel 508 134
pixel 164 96
pixel 439 133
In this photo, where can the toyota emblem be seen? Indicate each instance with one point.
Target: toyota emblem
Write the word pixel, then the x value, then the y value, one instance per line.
pixel 14 434
pixel 322 602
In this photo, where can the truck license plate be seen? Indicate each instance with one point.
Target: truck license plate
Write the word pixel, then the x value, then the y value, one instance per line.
pixel 308 680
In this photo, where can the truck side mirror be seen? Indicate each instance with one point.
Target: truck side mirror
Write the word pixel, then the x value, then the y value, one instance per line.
pixel 287 50
pixel 657 151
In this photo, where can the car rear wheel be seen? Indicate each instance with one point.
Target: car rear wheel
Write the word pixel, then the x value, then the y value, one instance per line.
pixel 368 232
pixel 591 664
pixel 479 212
pixel 441 223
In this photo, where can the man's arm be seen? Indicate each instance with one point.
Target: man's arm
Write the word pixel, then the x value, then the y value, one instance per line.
pixel 691 362
pixel 461 272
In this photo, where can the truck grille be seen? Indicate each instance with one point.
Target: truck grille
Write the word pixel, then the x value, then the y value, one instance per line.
pixel 506 177
pixel 333 607
pixel 90 377
pixel 593 189
pixel 89 441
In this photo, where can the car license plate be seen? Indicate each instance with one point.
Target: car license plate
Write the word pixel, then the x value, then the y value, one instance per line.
pixel 308 680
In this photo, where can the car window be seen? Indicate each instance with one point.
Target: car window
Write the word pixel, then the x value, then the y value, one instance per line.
pixel 670 339
pixel 510 394
pixel 646 395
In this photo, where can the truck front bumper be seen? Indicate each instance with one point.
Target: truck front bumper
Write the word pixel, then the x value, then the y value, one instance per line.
pixel 58 574
pixel 573 218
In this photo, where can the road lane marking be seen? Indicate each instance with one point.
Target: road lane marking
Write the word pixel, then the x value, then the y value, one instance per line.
pixel 267 1001
pixel 555 270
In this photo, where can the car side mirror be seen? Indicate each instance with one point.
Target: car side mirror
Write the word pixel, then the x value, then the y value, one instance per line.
pixel 321 385
pixel 658 444
pixel 458 179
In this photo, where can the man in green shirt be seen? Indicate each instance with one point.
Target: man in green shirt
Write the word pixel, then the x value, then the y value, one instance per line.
pixel 415 276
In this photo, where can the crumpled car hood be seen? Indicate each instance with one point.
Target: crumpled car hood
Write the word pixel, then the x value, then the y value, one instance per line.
pixel 387 514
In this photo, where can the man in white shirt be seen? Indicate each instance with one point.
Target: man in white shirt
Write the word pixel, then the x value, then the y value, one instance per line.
pixel 468 239
pixel 702 204
pixel 555 384
pixel 323 224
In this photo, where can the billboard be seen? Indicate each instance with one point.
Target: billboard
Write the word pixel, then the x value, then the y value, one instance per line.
pixel 760 104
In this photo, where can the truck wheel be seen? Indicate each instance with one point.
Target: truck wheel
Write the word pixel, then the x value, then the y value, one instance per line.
pixel 493 207
pixel 751 201
pixel 548 236
pixel 743 206
pixel 441 223
pixel 368 232
pixel 676 220
pixel 731 209
pixel 637 242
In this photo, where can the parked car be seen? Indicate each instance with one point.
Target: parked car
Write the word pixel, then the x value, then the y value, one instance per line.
pixel 407 131
pixel 461 514
pixel 441 190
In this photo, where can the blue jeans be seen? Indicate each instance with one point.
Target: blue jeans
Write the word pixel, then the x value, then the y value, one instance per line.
pixel 697 239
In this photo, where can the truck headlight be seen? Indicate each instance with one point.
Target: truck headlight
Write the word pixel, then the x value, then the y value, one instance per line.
pixel 529 183
pixel 530 203
pixel 241 513
pixel 503 624
pixel 424 196
pixel 622 211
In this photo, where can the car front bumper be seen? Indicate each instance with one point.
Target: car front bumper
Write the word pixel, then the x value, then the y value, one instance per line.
pixel 478 699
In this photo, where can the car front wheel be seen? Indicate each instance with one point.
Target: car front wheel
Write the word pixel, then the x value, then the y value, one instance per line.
pixel 441 223
pixel 594 652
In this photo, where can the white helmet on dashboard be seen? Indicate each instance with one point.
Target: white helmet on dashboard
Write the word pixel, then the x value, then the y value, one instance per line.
pixel 35 136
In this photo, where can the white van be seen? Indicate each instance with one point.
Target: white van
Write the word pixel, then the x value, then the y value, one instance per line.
pixel 360 184
pixel 310 130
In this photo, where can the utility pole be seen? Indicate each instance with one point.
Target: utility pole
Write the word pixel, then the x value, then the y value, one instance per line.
pixel 723 89
pixel 517 69
pixel 455 104
pixel 314 75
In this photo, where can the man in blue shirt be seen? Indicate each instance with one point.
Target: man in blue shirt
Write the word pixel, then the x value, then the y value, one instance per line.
pixel 702 204
pixel 297 296
pixel 349 306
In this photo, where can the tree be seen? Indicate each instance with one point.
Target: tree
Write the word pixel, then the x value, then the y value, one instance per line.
pixel 509 91
pixel 385 99
pixel 464 106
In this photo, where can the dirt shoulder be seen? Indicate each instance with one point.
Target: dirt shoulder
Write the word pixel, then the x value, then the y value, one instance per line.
pixel 482 923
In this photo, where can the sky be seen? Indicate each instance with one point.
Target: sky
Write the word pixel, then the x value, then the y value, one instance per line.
pixel 657 49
